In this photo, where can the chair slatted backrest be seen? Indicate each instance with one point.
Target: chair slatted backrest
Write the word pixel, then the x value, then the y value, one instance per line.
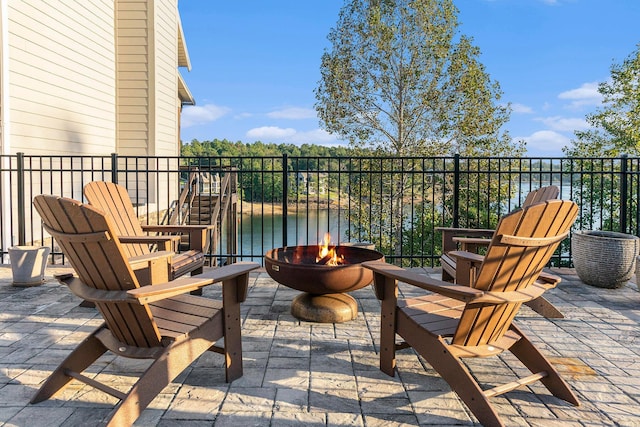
pixel 86 236
pixel 542 194
pixel 521 247
pixel 114 200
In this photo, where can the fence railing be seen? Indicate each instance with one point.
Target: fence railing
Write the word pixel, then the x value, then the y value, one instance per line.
pixel 396 203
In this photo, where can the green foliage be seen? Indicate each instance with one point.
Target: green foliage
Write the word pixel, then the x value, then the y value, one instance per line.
pixel 399 79
pixel 225 148
pixel 423 241
pixel 264 161
pixel 616 125
pixel 596 190
pixel 615 130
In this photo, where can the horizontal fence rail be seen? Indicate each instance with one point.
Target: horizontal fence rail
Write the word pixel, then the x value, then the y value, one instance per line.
pixel 260 203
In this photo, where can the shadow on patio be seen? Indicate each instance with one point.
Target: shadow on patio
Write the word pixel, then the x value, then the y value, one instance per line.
pixel 301 373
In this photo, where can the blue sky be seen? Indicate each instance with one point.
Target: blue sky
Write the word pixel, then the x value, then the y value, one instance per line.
pixel 255 64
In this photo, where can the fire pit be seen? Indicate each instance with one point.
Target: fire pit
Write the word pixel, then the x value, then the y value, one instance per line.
pixel 323 277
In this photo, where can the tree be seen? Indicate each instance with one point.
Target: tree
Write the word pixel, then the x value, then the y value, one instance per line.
pixel 398 78
pixel 616 125
pixel 615 130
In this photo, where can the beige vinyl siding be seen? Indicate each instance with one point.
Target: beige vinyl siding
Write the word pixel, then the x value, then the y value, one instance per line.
pixel 166 79
pixel 61 76
pixel 133 36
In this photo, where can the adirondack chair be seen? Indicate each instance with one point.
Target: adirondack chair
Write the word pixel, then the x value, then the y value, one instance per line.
pixel 161 322
pixel 456 322
pixel 114 200
pixel 470 240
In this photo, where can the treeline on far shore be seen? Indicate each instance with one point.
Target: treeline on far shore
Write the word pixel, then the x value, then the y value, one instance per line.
pixel 226 148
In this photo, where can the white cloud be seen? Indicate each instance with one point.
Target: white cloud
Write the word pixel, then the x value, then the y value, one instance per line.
pixel 587 94
pixel 200 115
pixel 268 133
pixel 316 136
pixel 521 108
pixel 293 113
pixel 545 143
pixel 564 124
pixel 280 135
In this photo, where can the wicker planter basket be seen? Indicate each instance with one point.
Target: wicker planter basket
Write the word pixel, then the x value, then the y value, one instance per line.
pixel 605 259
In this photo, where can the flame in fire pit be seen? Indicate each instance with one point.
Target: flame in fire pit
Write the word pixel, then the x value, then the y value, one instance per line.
pixel 327 254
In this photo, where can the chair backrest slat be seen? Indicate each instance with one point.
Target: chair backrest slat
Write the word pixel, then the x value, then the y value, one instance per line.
pixel 511 267
pixel 88 238
pixel 541 194
pixel 114 200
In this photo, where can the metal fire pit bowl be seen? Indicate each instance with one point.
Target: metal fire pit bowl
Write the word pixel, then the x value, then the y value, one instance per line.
pixel 324 286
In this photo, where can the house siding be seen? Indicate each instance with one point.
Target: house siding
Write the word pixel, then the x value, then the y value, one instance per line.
pixel 61 77
pixel 133 86
pixel 167 103
pixel 88 77
pixel 147 77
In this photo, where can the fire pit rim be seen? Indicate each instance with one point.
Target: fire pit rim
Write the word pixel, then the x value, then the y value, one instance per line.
pixel 319 278
pixel 349 248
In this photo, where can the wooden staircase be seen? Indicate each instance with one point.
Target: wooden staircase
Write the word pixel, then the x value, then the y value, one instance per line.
pixel 217 207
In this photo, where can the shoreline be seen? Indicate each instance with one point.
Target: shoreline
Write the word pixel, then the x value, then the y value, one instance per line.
pixel 251 208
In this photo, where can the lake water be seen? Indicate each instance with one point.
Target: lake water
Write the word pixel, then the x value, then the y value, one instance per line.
pixel 261 232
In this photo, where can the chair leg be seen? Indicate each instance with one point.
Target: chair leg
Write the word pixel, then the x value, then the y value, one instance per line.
pixel 535 361
pixel 232 332
pixel 197 292
pixel 83 356
pixel 543 307
pixel 388 330
pixel 451 369
pixel 172 362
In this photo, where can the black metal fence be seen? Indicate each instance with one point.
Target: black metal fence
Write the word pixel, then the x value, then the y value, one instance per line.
pixel 395 203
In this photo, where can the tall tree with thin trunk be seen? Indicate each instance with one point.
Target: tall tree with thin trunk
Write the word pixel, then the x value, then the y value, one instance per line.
pixel 615 126
pixel 399 78
pixel 614 131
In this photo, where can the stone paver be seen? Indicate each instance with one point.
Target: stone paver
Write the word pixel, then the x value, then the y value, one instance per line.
pixel 305 374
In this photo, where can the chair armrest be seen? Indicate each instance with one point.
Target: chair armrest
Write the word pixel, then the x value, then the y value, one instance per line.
pixel 466 256
pixel 142 295
pixel 449 232
pixel 177 228
pixel 165 243
pixel 458 292
pixel 157 264
pixel 548 280
pixel 532 292
pixel 151 293
pixel 466 231
pixel 151 257
pixel 197 233
pixel 471 244
pixel 467 264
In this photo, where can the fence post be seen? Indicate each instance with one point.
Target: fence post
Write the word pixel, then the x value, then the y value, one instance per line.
pixel 285 197
pixel 22 218
pixel 623 193
pixel 456 190
pixel 114 168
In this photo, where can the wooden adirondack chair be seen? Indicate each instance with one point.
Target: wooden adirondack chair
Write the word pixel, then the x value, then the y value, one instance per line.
pixel 457 322
pixel 114 200
pixel 162 322
pixel 470 240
